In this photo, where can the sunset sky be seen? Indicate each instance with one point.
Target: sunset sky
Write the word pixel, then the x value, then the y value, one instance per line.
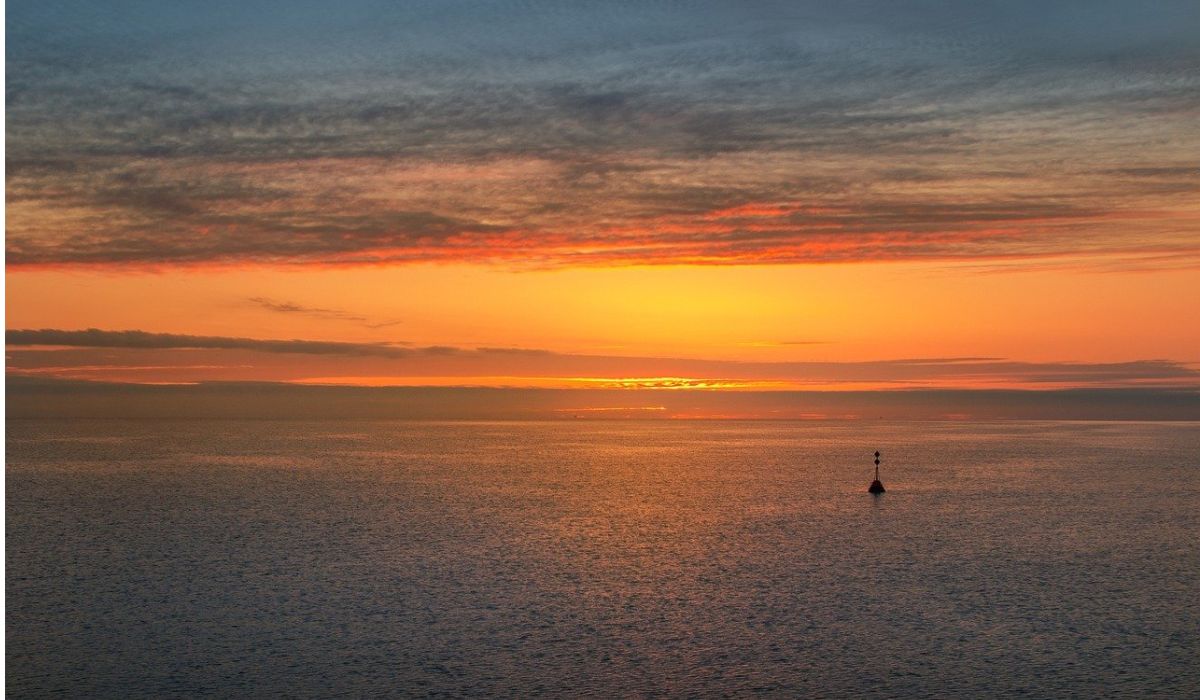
pixel 737 196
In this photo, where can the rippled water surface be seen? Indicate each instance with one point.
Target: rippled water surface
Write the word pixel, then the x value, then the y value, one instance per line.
pixel 151 559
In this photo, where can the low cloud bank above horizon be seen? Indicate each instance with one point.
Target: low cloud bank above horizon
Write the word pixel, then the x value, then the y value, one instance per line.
pixel 40 398
pixel 542 135
pixel 142 357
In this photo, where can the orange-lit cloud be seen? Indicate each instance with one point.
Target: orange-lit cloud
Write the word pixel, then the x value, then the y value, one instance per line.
pixel 365 229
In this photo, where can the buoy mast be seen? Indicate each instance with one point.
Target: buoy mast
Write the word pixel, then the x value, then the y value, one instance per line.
pixel 877 485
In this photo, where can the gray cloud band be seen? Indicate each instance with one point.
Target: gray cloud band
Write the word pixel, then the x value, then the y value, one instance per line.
pixel 198 138
pixel 900 371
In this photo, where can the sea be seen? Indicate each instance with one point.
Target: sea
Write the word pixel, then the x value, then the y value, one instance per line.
pixel 603 559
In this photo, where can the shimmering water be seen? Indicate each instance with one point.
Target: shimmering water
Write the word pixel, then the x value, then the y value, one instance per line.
pixel 156 559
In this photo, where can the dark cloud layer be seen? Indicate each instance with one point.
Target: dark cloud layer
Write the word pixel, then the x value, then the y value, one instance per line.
pixel 381 360
pixel 95 338
pixel 41 398
pixel 593 133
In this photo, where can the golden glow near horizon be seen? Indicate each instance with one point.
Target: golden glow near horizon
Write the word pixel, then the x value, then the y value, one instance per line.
pixel 756 315
pixel 828 312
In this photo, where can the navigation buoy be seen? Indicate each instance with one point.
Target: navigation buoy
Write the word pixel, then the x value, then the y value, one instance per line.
pixel 876 486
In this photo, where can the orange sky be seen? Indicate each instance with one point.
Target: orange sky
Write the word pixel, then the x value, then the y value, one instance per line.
pixel 739 196
pixel 746 314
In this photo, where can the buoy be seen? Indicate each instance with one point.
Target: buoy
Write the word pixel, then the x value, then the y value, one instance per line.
pixel 876 486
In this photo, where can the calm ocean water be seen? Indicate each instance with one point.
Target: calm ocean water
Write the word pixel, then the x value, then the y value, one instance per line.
pixel 157 559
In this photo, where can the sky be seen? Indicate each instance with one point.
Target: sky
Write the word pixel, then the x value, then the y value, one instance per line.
pixel 712 197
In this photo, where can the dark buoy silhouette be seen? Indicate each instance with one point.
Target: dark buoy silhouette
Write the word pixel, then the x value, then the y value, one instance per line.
pixel 876 486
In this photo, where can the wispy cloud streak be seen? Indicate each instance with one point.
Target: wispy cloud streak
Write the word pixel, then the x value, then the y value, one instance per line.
pixel 292 308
